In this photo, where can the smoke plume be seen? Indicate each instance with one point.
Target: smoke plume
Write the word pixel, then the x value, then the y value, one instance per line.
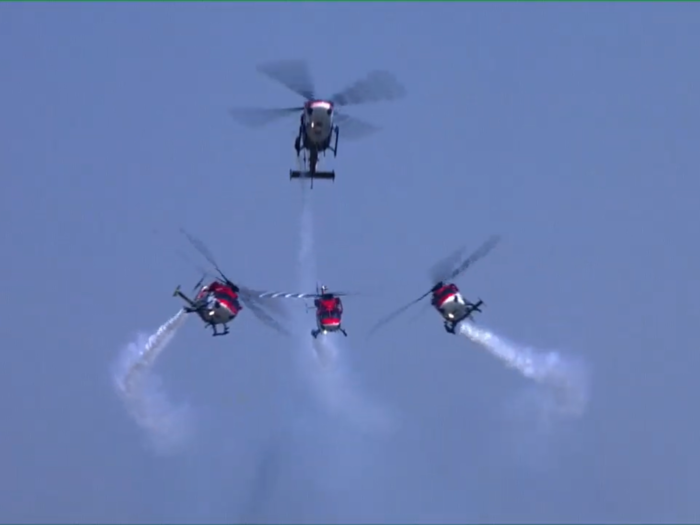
pixel 167 426
pixel 565 378
pixel 322 360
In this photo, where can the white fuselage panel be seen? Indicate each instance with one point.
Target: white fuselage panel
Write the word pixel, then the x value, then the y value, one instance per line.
pixel 318 124
pixel 454 307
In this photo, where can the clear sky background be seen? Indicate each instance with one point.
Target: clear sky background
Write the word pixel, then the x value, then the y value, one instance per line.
pixel 570 129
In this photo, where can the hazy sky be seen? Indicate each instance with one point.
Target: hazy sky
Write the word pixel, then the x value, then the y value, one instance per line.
pixel 570 129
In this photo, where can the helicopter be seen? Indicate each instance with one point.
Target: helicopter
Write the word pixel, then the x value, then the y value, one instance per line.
pixel 319 122
pixel 446 296
pixel 328 306
pixel 219 302
pixel 214 303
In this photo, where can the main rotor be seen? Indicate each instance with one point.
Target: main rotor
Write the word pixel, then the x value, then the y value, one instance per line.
pixel 443 272
pixel 377 86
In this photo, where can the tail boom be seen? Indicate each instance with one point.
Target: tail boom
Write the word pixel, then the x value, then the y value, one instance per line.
pixel 190 302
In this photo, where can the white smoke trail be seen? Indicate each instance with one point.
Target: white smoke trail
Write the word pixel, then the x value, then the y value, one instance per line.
pixel 307 278
pixel 168 427
pixel 341 397
pixel 321 358
pixel 307 260
pixel 566 378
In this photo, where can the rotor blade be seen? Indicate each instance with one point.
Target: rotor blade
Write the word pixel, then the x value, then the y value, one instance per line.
pixel 294 74
pixel 199 283
pixel 201 248
pixel 274 308
pixel 258 117
pixel 284 295
pixel 264 317
pixel 421 312
pixel 481 252
pixel 263 302
pixel 442 269
pixel 205 273
pixel 390 317
pixel 377 86
pixel 354 128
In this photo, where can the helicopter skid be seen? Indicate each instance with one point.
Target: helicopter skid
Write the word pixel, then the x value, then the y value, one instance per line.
pixel 316 333
pixel 450 326
pixel 216 333
pixel 323 175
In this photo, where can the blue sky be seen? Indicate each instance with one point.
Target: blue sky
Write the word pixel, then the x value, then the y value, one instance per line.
pixel 570 129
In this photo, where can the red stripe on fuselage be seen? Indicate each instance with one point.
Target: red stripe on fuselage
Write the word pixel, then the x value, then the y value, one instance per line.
pixel 230 303
pixel 227 297
pixel 445 298
pixel 444 294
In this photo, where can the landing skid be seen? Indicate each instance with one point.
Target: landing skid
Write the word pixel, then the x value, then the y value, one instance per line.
pixel 316 333
pixel 217 333
pixel 303 174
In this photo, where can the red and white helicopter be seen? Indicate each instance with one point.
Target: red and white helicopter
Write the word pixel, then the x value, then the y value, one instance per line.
pixel 320 123
pixel 219 302
pixel 328 306
pixel 446 297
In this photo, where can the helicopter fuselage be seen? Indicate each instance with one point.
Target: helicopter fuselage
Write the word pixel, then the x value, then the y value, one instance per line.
pixel 217 307
pixel 452 306
pixel 329 315
pixel 450 303
pixel 317 124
